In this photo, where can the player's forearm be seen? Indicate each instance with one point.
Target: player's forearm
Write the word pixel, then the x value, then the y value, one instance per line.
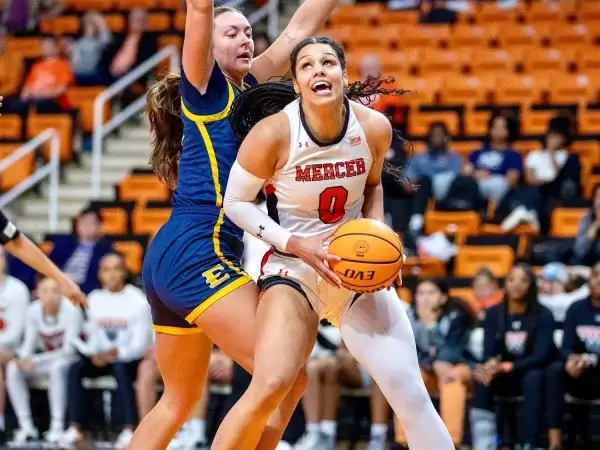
pixel 373 205
pixel 25 250
pixel 242 189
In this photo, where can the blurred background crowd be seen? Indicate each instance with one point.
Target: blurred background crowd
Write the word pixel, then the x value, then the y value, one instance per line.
pixel 499 214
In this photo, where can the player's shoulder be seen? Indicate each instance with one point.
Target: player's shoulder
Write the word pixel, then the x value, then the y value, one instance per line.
pixel 274 128
pixel 17 285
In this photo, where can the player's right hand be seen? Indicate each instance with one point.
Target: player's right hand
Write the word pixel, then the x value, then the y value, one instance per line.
pixel 70 290
pixel 312 251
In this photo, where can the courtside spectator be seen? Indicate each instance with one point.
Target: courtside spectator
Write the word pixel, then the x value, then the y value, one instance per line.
pixel 118 334
pixel 14 300
pixel 553 282
pixel 517 347
pixel 577 372
pixel 87 51
pixel 51 327
pixel 442 326
pixel 486 291
pixel 586 250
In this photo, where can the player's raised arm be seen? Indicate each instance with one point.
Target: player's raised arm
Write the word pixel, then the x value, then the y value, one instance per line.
pixel 379 135
pixel 308 19
pixel 256 162
pixel 197 56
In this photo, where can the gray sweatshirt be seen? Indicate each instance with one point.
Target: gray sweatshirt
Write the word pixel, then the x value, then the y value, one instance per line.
pixel 87 52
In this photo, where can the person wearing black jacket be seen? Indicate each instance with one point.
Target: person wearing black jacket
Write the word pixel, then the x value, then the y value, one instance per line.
pixel 517 346
pixel 577 371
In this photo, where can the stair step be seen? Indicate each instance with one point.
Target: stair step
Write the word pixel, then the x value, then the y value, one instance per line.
pixel 38 227
pixel 138 132
pixel 38 207
pixel 81 177
pixel 129 162
pixel 127 148
pixel 78 192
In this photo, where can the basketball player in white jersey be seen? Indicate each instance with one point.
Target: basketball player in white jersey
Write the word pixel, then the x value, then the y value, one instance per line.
pixel 52 325
pixel 321 160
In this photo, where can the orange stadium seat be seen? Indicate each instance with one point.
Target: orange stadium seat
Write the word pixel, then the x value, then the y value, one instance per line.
pixel 94 5
pixel 404 294
pixel 364 13
pixel 588 149
pixel 82 99
pixel 463 222
pixel 133 252
pixel 472 35
pixel 341 34
pixel 518 89
pixel 499 259
pixel 466 90
pixel 143 188
pixel 398 17
pixel 476 122
pixel 18 171
pixel 172 5
pixel 27 47
pixel 114 220
pixel 149 220
pixel 564 222
pixel 115 22
pixel 589 123
pixel 490 13
pixel 492 62
pixel 588 59
pixel 11 127
pixel 423 36
pixel 47 247
pixel 10 80
pixel 545 12
pixel 535 122
pixel 464 293
pixel 569 35
pixel 438 61
pixel 464 148
pixel 420 122
pixel 132 4
pixel 570 89
pixel 158 22
pixel 365 38
pixel 423 89
pixel 424 267
pixel 60 25
pixel 589 184
pixel 589 11
pixel 525 147
pixel 518 35
pixel 37 123
pixel 546 61
pixel 179 21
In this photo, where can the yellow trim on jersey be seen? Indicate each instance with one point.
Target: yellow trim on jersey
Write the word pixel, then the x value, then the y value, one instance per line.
pixel 176 331
pixel 205 118
pixel 216 297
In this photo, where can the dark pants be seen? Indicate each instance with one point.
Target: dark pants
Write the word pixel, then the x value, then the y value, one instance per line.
pixel 530 385
pixel 558 382
pixel 14 105
pixel 124 373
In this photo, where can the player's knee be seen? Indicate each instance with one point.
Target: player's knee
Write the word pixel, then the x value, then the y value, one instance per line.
pixel 314 369
pixel 301 384
pixel 331 369
pixel 147 371
pixel 273 387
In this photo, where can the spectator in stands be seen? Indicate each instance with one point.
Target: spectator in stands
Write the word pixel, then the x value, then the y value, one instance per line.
pixel 442 326
pixel 87 51
pixel 554 171
pixel 321 401
pixel 79 254
pixel 23 16
pixel 52 325
pixel 552 283
pixel 14 300
pixel 586 250
pixel 193 433
pixel 434 171
pixel 135 47
pixel 46 83
pixel 118 330
pixel 397 191
pixel 518 345
pixel 577 372
pixel 486 291
pixel 261 43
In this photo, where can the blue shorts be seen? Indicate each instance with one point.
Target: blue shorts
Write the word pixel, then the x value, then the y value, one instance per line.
pixel 193 261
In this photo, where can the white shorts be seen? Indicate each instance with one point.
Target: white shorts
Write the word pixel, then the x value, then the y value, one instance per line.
pixel 329 302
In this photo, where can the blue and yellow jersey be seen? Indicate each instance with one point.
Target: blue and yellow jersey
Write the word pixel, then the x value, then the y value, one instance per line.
pixel 209 147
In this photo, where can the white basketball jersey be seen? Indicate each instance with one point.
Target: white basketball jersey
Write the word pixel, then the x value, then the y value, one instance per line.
pixel 321 186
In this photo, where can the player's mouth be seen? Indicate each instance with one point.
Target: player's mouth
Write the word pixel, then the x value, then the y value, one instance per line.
pixel 245 56
pixel 321 88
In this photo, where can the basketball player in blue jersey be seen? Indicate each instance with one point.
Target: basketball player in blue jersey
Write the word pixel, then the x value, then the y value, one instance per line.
pixel 192 273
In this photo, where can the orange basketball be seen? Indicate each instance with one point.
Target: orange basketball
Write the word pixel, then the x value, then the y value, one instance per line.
pixel 371 255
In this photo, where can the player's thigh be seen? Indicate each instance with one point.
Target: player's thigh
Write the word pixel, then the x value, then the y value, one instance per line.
pixel 183 362
pixel 6 354
pixel 350 374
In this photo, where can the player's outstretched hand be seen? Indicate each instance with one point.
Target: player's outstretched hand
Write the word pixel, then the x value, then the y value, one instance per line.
pixel 311 250
pixel 72 291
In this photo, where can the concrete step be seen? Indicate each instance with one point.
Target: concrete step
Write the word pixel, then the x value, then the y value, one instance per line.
pixel 37 207
pixel 37 227
pixel 81 177
pixel 137 132
pixel 113 163
pixel 78 192
pixel 127 148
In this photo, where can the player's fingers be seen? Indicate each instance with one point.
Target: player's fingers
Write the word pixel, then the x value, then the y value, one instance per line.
pixel 326 235
pixel 330 276
pixel 330 257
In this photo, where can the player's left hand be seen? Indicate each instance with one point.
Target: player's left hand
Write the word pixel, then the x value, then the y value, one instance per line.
pixel 25 365
pixel 70 290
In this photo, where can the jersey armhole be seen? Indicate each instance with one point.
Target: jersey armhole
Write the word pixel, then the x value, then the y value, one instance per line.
pixel 291 146
pixel 215 101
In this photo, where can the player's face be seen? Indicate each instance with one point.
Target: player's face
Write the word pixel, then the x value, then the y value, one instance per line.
pixel 320 78
pixel 517 284
pixel 49 292
pixel 232 43
pixel 112 273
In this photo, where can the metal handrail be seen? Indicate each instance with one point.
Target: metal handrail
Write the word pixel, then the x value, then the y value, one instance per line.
pixel 51 169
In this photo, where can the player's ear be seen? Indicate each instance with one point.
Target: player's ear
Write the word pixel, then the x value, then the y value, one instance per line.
pixel 296 87
pixel 345 78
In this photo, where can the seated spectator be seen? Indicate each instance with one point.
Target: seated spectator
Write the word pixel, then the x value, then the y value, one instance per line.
pixel 118 334
pixel 326 375
pixel 52 325
pixel 517 347
pixel 397 188
pixel 586 250
pixel 498 170
pixel 442 326
pixel 130 50
pixel 87 51
pixel 78 255
pixel 486 291
pixel 13 312
pixel 552 284
pixel 434 171
pixel 577 372
pixel 261 43
pixel 555 171
pixel 23 16
pixel 46 83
